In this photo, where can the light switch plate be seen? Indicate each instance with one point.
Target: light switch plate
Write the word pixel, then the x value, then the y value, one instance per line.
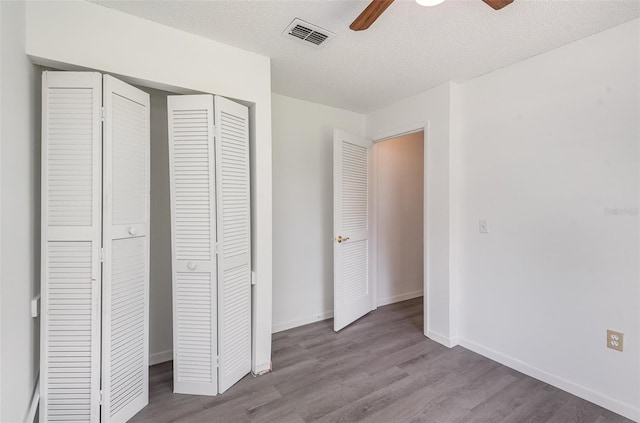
pixel 483 226
pixel 615 340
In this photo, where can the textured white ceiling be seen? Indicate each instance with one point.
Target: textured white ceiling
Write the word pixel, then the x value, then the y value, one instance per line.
pixel 408 50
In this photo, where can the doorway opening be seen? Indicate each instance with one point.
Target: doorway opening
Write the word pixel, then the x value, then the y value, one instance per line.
pixel 398 185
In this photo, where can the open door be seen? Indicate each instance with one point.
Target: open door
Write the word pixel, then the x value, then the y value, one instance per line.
pixel 193 245
pixel 352 290
pixel 125 219
pixel 234 241
pixel 211 242
pixel 71 231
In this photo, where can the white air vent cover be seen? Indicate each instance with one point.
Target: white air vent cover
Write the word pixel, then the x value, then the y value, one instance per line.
pixel 309 34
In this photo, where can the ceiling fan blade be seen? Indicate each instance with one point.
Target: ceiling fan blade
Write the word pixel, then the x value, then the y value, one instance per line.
pixel 498 4
pixel 370 14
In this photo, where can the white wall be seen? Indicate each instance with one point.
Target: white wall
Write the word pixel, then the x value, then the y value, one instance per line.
pixel 20 220
pixel 399 175
pixel 2 37
pixel 549 147
pixel 303 208
pixel 81 34
pixel 431 108
pixel 160 311
pixel 547 151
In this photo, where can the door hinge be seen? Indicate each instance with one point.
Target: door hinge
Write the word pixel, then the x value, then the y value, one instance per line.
pixel 216 248
pixel 253 278
pixel 101 255
pixel 217 361
pixel 101 397
pixel 102 114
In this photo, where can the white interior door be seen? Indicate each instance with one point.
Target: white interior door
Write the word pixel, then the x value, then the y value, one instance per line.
pixel 352 290
pixel 71 228
pixel 193 244
pixel 125 293
pixel 234 241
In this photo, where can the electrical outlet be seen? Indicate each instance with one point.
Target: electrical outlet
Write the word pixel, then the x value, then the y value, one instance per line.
pixel 615 340
pixel 483 226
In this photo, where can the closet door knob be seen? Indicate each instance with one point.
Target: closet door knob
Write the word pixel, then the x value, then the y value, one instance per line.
pixel 132 230
pixel 191 265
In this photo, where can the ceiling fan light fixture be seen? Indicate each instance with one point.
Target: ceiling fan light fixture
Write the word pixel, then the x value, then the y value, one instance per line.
pixel 429 2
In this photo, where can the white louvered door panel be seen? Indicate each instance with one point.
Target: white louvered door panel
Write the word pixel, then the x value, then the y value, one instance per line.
pixel 352 296
pixel 234 241
pixel 125 294
pixel 70 254
pixel 193 237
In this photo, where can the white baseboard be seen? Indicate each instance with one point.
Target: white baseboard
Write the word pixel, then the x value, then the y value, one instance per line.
pixel 623 409
pixel 441 339
pixel 160 357
pixel 402 297
pixel 279 327
pixel 290 324
pixel 35 402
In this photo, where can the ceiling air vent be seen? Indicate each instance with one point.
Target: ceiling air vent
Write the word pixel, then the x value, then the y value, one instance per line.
pixel 309 34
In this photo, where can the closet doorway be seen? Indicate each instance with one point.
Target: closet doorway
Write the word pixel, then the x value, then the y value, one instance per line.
pixel 399 218
pixel 87 306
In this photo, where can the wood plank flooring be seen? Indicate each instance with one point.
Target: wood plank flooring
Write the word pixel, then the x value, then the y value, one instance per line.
pixel 380 369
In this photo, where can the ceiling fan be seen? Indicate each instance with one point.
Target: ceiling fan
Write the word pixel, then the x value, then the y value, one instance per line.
pixel 377 7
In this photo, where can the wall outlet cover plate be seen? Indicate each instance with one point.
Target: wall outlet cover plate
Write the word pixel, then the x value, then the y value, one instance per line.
pixel 615 340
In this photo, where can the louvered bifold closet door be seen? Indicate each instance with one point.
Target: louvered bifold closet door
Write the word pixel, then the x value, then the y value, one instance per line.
pixel 70 254
pixel 193 236
pixel 125 294
pixel 234 241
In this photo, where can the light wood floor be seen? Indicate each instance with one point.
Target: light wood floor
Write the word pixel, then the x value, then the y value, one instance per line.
pixel 380 369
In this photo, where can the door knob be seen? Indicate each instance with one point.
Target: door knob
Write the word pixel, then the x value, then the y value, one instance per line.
pixel 192 265
pixel 342 239
pixel 132 230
